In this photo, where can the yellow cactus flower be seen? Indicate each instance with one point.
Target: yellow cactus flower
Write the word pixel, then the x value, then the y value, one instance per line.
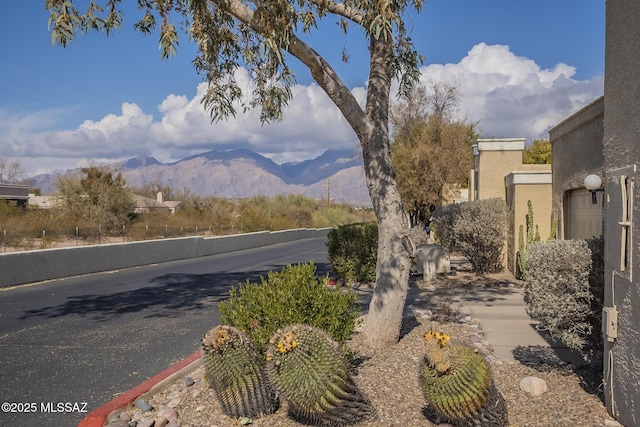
pixel 287 342
pixel 220 337
pixel 443 339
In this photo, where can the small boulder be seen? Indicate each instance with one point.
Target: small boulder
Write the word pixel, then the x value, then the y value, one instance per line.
pixel 146 422
pixel 534 386
pixel 168 412
pixel 114 416
pixel 143 405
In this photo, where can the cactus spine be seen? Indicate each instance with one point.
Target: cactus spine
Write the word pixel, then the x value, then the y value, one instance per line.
pixel 236 374
pixel 457 383
pixel 307 367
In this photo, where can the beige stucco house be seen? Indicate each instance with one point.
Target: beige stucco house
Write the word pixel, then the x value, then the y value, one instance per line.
pixel 157 205
pixel 576 150
pixel 499 172
pixel 603 139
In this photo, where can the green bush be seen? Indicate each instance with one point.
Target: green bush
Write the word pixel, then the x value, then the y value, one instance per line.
pixel 294 295
pixel 477 230
pixel 564 291
pixel 352 251
pixel 444 217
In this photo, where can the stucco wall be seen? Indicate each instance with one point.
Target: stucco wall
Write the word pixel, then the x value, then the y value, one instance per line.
pixel 576 151
pixel 33 266
pixel 622 150
pixel 524 186
pixel 495 159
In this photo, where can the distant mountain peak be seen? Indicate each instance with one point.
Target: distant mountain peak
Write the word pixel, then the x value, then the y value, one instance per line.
pixel 138 162
pixel 240 173
pixel 322 167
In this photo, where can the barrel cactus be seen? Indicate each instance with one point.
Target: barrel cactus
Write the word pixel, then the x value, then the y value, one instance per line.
pixel 236 373
pixel 308 369
pixel 457 383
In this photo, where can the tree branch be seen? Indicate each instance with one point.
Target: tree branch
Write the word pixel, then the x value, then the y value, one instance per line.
pixel 320 69
pixel 331 83
pixel 342 10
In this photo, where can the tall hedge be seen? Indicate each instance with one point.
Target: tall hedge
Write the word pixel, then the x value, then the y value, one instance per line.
pixel 476 229
pixel 564 291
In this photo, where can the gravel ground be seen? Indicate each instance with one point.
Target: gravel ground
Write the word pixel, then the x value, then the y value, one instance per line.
pixel 389 378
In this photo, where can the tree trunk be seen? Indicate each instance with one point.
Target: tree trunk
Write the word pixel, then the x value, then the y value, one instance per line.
pixel 382 326
pixel 395 252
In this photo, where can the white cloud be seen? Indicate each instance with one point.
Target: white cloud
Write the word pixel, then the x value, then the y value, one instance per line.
pixel 510 95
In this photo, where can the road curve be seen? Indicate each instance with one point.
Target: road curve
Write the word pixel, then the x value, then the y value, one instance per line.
pixel 68 346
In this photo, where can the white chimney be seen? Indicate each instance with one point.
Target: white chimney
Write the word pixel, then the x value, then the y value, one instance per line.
pixel 159 197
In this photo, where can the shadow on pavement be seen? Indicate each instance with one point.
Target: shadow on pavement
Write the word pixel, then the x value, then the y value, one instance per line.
pixel 164 296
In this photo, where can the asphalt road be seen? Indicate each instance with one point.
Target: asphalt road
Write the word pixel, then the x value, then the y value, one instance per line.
pixel 82 341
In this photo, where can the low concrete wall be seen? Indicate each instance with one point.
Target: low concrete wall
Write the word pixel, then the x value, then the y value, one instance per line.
pixel 33 266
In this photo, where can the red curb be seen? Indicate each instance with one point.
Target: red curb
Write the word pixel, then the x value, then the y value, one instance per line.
pixel 98 417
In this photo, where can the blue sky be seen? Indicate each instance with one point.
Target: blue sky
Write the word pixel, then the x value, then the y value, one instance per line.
pixel 521 66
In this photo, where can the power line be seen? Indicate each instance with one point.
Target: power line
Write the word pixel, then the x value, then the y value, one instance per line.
pixel 40 101
pixel 51 94
pixel 72 84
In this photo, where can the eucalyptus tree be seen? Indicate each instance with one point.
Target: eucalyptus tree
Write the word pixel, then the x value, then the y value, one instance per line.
pixel 257 35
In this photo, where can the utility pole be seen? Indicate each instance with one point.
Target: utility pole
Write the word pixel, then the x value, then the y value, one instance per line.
pixel 328 192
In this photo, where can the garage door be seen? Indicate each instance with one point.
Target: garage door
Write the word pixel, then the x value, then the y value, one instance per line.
pixel 584 218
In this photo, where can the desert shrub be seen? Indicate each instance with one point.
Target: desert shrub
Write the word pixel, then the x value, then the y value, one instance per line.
pixel 479 233
pixel 352 251
pixel 559 295
pixel 444 217
pixel 293 295
pixel 418 235
pixel 337 215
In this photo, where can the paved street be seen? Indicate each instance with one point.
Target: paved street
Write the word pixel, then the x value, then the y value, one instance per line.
pixel 87 339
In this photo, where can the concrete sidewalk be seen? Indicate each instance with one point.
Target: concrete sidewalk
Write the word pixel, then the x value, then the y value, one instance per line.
pixel 502 316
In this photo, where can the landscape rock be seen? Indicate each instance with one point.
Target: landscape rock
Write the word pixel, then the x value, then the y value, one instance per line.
pixel 114 416
pixel 174 402
pixel 143 405
pixel 169 413
pixel 533 386
pixel 146 422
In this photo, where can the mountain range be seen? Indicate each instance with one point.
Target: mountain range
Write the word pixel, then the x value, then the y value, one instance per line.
pixel 242 173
